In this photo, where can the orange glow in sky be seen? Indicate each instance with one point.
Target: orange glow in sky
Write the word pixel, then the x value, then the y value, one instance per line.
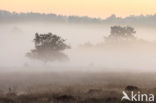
pixel 92 8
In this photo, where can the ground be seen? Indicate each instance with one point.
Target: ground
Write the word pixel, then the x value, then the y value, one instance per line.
pixel 72 87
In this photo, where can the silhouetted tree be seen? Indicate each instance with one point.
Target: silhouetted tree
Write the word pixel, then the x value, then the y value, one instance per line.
pixel 48 47
pixel 119 33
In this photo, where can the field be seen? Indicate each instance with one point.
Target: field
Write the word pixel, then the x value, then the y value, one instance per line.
pixel 71 86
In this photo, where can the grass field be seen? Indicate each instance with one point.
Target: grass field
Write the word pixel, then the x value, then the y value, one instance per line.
pixel 71 87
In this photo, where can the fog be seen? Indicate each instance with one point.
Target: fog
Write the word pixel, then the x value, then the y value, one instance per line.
pixel 16 40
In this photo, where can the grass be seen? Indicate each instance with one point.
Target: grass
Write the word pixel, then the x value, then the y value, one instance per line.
pixel 70 87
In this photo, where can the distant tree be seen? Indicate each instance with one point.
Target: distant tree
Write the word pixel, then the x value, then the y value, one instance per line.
pixel 120 33
pixel 48 48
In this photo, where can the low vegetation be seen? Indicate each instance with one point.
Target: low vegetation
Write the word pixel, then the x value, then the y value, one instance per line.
pixel 72 87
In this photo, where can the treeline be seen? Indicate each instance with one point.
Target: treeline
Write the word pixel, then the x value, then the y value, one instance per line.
pixel 7 17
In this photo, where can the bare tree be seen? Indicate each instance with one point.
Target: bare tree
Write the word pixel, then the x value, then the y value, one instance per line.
pixel 48 47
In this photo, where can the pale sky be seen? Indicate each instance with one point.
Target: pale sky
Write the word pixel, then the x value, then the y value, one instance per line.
pixel 91 8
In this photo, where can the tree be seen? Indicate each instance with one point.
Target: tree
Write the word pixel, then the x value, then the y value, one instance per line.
pixel 119 33
pixel 48 47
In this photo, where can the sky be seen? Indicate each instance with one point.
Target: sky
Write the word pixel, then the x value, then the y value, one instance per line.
pixel 91 8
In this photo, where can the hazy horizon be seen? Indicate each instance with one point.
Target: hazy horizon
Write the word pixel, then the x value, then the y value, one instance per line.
pixel 76 15
pixel 94 8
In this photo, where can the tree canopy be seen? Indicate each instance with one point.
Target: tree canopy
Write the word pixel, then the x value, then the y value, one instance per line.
pixel 48 47
pixel 119 33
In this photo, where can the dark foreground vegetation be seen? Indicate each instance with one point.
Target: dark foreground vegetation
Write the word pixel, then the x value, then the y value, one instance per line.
pixel 59 98
pixel 72 87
